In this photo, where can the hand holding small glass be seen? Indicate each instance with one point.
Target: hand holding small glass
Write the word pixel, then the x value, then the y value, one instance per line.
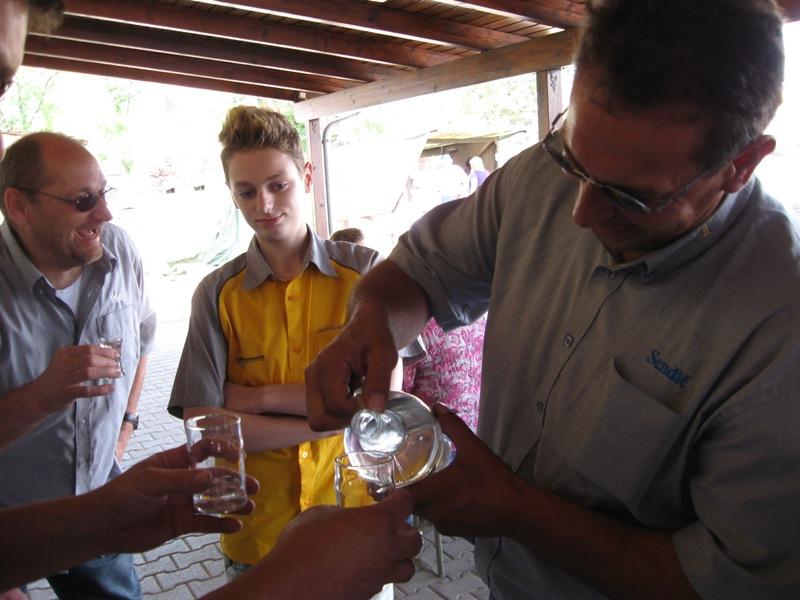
pixel 363 478
pixel 215 443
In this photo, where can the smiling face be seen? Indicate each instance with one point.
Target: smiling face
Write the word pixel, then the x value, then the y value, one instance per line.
pixel 648 154
pixel 59 240
pixel 269 189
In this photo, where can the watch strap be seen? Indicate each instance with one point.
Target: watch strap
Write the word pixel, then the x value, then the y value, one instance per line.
pixel 132 418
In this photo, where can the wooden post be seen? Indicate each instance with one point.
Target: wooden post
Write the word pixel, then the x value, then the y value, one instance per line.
pixel 549 98
pixel 321 225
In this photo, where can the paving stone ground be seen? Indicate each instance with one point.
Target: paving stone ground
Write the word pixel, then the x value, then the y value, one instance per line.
pixel 190 566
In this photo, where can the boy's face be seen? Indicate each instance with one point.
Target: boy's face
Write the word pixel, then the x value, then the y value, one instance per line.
pixel 269 189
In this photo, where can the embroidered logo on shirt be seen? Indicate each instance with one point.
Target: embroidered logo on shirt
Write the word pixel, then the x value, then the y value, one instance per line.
pixel 246 360
pixel 674 373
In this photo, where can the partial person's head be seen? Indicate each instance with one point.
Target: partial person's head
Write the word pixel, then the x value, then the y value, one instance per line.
pixel 53 195
pixel 669 105
pixel 264 168
pixel 476 164
pixel 350 234
pixel 16 18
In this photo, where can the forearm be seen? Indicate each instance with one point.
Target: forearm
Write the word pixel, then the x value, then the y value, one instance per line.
pixel 267 432
pixel 46 537
pixel 20 411
pixel 282 399
pixel 262 583
pixel 620 560
pixel 136 387
pixel 388 294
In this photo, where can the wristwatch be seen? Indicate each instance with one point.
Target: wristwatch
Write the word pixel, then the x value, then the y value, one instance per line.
pixel 132 418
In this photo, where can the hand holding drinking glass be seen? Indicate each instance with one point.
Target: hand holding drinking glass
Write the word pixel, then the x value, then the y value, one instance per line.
pixel 215 443
pixel 363 478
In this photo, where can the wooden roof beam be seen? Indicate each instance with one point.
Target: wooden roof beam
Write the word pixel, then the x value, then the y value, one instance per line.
pixel 216 85
pixel 556 13
pixel 254 30
pixel 385 20
pixel 543 53
pixel 157 61
pixel 187 44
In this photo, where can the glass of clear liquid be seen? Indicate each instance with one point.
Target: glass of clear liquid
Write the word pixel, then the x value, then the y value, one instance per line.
pixel 116 344
pixel 362 478
pixel 215 443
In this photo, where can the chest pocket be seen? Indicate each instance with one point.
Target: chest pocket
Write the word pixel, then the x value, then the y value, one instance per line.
pixel 616 436
pixel 120 324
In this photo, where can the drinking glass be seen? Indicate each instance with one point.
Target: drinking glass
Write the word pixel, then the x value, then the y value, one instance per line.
pixel 116 344
pixel 363 478
pixel 215 443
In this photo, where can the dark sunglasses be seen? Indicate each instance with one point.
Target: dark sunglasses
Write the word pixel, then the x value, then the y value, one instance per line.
pixel 83 203
pixel 628 201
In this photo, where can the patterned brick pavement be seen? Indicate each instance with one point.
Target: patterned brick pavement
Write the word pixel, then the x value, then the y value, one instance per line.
pixel 190 566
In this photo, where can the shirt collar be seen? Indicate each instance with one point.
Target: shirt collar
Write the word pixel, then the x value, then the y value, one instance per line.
pixel 31 276
pixel 258 269
pixel 694 242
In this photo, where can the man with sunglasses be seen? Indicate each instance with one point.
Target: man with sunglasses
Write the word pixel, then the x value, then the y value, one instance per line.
pixel 640 399
pixel 70 283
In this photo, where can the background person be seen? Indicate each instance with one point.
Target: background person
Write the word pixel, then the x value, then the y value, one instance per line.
pixel 68 278
pixel 450 371
pixel 350 234
pixel 477 173
pixel 639 395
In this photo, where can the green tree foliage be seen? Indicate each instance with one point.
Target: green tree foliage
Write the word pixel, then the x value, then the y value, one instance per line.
pixel 29 105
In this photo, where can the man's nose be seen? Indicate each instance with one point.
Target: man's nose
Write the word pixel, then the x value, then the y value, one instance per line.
pixel 100 211
pixel 592 206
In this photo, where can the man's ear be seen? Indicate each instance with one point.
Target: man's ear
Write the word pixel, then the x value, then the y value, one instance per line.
pixel 308 170
pixel 746 162
pixel 17 205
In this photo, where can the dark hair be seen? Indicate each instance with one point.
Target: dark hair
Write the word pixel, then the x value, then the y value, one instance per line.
pixel 253 128
pixel 45 15
pixel 22 166
pixel 351 234
pixel 717 61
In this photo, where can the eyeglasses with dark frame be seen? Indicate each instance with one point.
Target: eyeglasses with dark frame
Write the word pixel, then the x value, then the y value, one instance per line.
pixel 628 201
pixel 83 203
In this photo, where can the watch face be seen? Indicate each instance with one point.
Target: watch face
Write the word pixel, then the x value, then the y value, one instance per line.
pixel 131 418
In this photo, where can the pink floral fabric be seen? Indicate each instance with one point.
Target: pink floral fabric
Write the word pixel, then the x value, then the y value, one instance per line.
pixel 450 373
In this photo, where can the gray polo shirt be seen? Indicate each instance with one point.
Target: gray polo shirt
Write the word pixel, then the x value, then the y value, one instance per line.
pixel 71 451
pixel 664 392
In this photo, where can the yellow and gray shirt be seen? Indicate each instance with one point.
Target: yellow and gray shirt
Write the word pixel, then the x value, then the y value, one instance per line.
pixel 248 328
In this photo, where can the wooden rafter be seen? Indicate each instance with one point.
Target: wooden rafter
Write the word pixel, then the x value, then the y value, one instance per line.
pixel 542 53
pixel 253 30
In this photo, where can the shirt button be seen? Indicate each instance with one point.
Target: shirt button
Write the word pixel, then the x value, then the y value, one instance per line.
pixel 304 454
pixel 305 503
pixel 296 349
pixel 540 407
pixel 291 298
pixel 568 340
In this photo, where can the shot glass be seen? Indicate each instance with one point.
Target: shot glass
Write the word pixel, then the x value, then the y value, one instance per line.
pixel 215 443
pixel 116 344
pixel 363 478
